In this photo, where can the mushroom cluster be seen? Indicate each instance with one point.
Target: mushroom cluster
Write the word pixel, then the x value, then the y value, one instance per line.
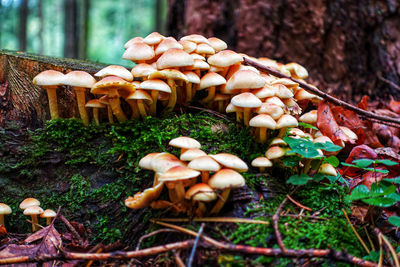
pixel 168 72
pixel 188 180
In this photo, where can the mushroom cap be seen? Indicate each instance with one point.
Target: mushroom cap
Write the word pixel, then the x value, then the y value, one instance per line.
pixel 191 154
pixel 217 44
pixel 352 135
pixel 140 95
pixel 297 70
pixel 48 214
pixel 287 82
pixel 273 110
pixel 145 162
pixel 327 169
pixel 286 121
pixel 232 108
pixel 275 152
pixel 33 210
pixel 139 52
pixel 188 46
pixel 226 178
pixel 282 91
pixel 264 121
pixel 275 100
pixel 309 117
pixel 143 199
pixel 225 58
pixel 173 58
pixel 109 83
pixel 195 38
pixel 142 70
pixel 184 142
pixel 246 100
pixel 95 103
pixel 79 78
pixel 266 91
pixel 164 161
pixel 115 70
pixel 49 78
pixel 197 56
pixel 204 49
pixel 199 64
pixel 177 173
pixel 211 79
pixel 168 74
pixel 261 162
pixel 5 209
pixel 153 38
pixel 251 68
pixel 268 62
pixel 230 161
pixel 192 77
pixel 204 163
pixel 296 133
pixel 104 100
pixel 155 84
pixel 27 202
pixel 166 44
pixel 132 41
pixel 245 79
pixel 302 94
pixel 201 192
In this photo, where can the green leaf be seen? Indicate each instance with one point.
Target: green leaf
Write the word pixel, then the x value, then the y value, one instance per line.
pixel 306 125
pixel 291 161
pixel 363 163
pixel 380 201
pixel 376 170
pixel 318 177
pixel 349 165
pixel 378 190
pixel 327 146
pixel 360 191
pixel 334 161
pixel 395 196
pixel 393 180
pixel 395 220
pixel 386 162
pixel 296 179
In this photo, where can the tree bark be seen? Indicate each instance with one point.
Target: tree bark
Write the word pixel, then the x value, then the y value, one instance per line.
pixel 349 47
pixel 41 24
pixel 71 36
pixel 23 18
pixel 84 28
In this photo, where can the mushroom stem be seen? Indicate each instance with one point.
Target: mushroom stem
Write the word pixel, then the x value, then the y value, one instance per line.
pixel 210 96
pixel 96 116
pixel 188 92
pixel 110 115
pixel 134 107
pixel 246 116
pixel 262 169
pixel 205 175
pixel 53 106
pixel 115 104
pixel 34 222
pixel 48 220
pixel 180 191
pixel 282 132
pixel 221 201
pixel 239 116
pixel 142 109
pixel 201 210
pixel 153 106
pixel 221 106
pixel 2 220
pixel 263 135
pixel 172 97
pixel 80 98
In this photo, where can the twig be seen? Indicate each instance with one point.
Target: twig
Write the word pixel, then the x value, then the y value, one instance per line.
pixel 312 217
pixel 196 241
pixel 322 94
pixel 214 219
pixel 355 232
pixel 298 204
pixel 395 86
pixel 275 220
pixel 391 249
pixel 72 229
pixel 178 260
pixel 222 116
pixel 369 239
pixel 151 234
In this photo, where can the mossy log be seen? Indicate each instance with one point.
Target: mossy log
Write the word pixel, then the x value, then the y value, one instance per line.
pixel 25 103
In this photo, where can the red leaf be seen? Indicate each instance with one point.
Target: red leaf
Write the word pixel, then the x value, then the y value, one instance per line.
pixel 395 106
pixel 358 152
pixel 364 103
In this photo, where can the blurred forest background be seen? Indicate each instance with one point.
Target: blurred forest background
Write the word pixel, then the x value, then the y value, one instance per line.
pixel 351 48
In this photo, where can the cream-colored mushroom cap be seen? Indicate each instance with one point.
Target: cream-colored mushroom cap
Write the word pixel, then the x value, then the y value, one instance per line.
pixel 95 103
pixel 352 135
pixel 139 52
pixel 226 178
pixel 296 132
pixel 246 100
pixel 145 162
pixel 266 91
pixel 195 38
pixel 275 152
pixel 27 202
pixel 309 117
pixel 155 84
pixel 302 94
pixel 322 139
pixel 287 82
pixel 264 121
pixel 197 56
pixel 79 78
pixel 205 49
pixel 278 142
pixel 230 161
pixel 192 77
pixel 111 82
pixel 115 70
pixel 201 192
pixel 48 78
pixel 153 38
pixel 245 79
pixel 166 44
pixel 191 154
pixel 261 162
pixel 48 214
pixel 327 169
pixel 188 46
pixel 5 209
pixel 225 58
pixel 178 173
pixel 199 64
pixel 33 210
pixel 276 101
pixel 273 110
pixel 142 70
pixel 168 74
pixel 164 161
pixel 140 95
pixel 142 199
pixel 204 163
pixel 133 41
pixel 282 91
pixel 232 108
pixel 184 142
pixel 297 70
pixel 211 79
pixel 286 121
pixel 173 58
pixel 217 44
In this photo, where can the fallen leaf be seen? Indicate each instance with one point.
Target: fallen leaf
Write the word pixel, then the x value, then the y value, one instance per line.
pixel 395 106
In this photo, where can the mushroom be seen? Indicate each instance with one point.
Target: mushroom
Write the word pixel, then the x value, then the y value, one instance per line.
pixel 284 122
pixel 245 80
pixel 205 164
pixel 263 122
pixel 27 202
pixel 327 169
pixel 262 163
pixel 247 101
pixel 297 71
pixel 139 53
pixel 143 199
pixel 184 143
pixel 191 154
pixel 95 104
pixel 133 41
pixel 225 59
pixel 211 80
pixel 4 210
pixel 166 44
pixel 104 100
pixel 275 152
pixel 310 118
pixel 163 162
pixel 115 70
pixel 48 214
pixel 188 46
pixel 34 211
pixel 201 193
pixel 225 180
pixel 230 108
pixel 142 70
pixel 140 96
pixel 153 38
pixel 50 80
pixel 271 109
pixel 195 38
pixel 217 44
pixel 193 78
pixel 230 161
pixel 156 86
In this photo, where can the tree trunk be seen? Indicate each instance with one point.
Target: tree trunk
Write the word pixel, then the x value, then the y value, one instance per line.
pixel 23 18
pixel 41 24
pixel 350 48
pixel 84 28
pixel 71 41
pixel 158 16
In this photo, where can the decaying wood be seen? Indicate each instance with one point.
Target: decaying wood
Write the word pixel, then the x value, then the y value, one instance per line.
pixel 26 104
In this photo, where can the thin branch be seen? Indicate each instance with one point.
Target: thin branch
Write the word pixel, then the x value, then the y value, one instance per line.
pixel 215 219
pixel 275 220
pixel 298 204
pixel 196 241
pixel 72 229
pixel 355 232
pixel 322 94
pixel 380 77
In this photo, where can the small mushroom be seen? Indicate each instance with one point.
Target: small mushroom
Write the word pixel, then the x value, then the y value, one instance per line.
pixel 205 164
pixel 34 211
pixel 95 104
pixel 201 193
pixel 27 202
pixel 263 122
pixel 210 81
pixel 261 163
pixel 231 161
pixel 48 215
pixel 184 143
pixel 143 199
pixel 247 101
pixel 4 210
